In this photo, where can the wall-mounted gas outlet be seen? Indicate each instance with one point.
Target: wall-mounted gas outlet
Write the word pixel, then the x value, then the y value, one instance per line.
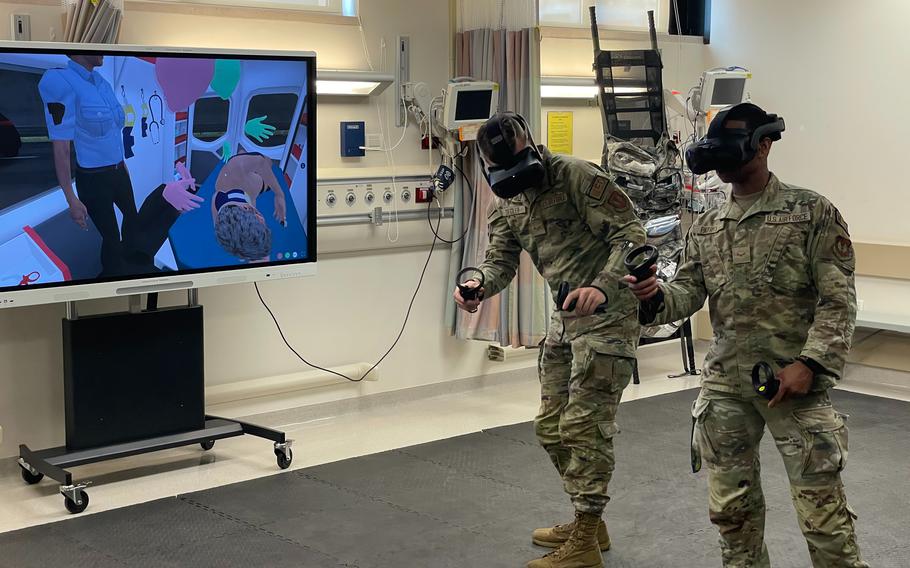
pixel 859 305
pixel 22 27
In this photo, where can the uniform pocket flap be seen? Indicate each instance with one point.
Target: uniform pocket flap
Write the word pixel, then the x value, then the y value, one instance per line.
pixel 608 429
pixel 818 420
pixel 699 407
pixel 614 347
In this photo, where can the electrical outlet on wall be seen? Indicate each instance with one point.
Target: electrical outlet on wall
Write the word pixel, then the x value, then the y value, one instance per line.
pixel 21 27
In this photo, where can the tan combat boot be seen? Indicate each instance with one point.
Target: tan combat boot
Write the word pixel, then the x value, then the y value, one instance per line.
pixel 581 550
pixel 554 537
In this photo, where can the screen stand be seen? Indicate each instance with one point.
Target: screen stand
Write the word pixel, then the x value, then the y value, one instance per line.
pixel 157 404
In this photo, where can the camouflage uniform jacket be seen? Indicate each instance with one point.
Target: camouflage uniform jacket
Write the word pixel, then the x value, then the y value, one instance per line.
pixel 779 283
pixel 576 228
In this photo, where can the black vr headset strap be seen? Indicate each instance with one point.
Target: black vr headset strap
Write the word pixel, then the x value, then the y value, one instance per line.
pixel 775 127
pixel 502 153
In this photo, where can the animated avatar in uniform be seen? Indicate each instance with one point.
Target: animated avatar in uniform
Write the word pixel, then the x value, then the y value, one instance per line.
pixel 81 109
pixel 240 228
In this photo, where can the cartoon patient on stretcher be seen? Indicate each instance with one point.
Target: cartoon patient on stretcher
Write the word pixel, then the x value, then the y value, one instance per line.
pixel 240 228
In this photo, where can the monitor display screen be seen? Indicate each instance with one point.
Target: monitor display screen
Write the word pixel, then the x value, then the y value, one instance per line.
pixel 124 165
pixel 473 105
pixel 728 91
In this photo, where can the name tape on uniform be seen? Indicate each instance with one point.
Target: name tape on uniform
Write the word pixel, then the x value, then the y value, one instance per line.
pixel 514 210
pixel 553 200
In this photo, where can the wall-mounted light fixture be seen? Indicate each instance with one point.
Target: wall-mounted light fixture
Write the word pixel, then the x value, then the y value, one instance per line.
pixel 351 83
pixel 581 88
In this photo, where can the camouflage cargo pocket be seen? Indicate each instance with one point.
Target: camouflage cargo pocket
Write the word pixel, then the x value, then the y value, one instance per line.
pixel 606 369
pixel 824 440
pixel 701 445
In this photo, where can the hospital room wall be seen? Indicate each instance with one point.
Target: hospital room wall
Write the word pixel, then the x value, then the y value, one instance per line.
pixel 350 312
pixel 836 72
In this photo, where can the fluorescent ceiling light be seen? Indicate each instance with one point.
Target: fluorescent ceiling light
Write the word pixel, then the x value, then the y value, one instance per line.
pixel 351 83
pixel 577 88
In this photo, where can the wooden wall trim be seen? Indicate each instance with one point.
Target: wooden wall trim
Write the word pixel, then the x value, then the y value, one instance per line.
pixel 882 260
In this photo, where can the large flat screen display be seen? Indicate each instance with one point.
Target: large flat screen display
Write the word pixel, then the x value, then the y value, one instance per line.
pixel 131 169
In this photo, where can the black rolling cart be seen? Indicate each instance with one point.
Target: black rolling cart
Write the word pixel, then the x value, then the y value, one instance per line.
pixel 133 384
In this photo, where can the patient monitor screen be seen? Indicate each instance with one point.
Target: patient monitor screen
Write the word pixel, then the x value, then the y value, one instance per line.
pixel 473 105
pixel 728 91
pixel 116 166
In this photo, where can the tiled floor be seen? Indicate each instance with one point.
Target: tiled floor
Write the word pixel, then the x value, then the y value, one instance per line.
pixel 144 478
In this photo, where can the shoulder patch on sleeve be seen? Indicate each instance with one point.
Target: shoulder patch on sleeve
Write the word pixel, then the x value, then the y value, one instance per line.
pixel 493 214
pixel 598 188
pixel 843 248
pixel 619 201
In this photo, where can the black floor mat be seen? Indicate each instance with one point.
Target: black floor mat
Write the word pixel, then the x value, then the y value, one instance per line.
pixel 472 501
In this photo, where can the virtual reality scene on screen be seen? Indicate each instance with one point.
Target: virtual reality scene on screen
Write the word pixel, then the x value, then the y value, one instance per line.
pixel 116 167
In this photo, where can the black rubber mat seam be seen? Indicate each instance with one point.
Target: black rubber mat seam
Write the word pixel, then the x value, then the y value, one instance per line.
pixel 511 439
pixel 382 501
pixel 463 472
pixel 247 524
pixel 395 506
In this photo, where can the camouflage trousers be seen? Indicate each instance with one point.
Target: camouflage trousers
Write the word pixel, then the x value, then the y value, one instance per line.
pixel 581 383
pixel 812 440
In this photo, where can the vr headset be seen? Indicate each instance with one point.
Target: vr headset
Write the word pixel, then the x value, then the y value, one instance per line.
pixel 728 149
pixel 512 173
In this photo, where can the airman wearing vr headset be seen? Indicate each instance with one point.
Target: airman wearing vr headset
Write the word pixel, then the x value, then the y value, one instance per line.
pixel 576 225
pixel 776 266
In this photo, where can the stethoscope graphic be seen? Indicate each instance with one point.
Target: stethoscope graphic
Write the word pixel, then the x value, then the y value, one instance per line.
pixel 155 124
pixel 29 278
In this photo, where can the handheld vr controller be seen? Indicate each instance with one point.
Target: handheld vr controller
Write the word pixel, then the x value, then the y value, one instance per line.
pixel 468 293
pixel 640 260
pixel 764 381
pixel 563 293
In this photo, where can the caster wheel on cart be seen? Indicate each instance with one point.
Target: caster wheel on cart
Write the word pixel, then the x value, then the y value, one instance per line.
pixel 29 477
pixel 207 445
pixel 284 462
pixel 75 508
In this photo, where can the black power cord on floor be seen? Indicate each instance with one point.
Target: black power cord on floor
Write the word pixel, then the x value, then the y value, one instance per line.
pixel 397 339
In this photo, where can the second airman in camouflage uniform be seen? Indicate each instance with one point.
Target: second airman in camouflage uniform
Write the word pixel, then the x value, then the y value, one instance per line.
pixel 776 267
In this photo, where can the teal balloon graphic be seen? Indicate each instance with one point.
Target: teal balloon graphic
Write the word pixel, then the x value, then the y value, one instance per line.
pixel 227 76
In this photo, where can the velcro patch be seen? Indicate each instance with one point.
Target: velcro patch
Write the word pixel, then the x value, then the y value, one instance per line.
pixel 788 218
pixel 618 201
pixel 552 200
pixel 843 248
pixel 708 229
pixel 840 221
pixel 514 210
pixel 598 188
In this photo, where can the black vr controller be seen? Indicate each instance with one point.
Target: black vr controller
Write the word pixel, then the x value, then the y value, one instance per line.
pixel 563 293
pixel 468 293
pixel 640 260
pixel 639 263
pixel 764 380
